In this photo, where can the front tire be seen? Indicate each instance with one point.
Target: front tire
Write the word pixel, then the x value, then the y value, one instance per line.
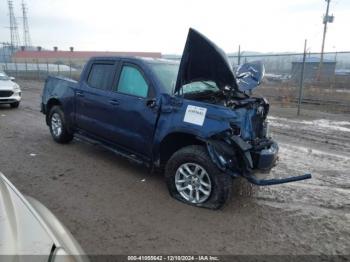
pixel 193 178
pixel 58 126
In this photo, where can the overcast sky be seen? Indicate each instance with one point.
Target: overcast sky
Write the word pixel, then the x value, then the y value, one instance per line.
pixel 162 25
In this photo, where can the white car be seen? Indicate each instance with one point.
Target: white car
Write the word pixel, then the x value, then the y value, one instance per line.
pixel 10 92
pixel 30 232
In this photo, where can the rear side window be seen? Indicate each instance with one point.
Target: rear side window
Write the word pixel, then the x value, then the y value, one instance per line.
pixel 132 82
pixel 101 76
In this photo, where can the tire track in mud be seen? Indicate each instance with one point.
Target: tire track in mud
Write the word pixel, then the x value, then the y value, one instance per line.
pixel 328 189
pixel 320 147
pixel 334 135
pixel 335 142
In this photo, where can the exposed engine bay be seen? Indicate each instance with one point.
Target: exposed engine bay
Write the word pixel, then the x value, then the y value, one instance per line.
pixel 231 100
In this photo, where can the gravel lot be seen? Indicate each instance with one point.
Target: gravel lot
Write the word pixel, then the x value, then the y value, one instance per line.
pixel 114 207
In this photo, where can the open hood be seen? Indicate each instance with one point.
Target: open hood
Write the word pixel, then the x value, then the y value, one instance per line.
pixel 202 60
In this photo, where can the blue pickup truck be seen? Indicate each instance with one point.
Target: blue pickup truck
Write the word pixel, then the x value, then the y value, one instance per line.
pixel 194 120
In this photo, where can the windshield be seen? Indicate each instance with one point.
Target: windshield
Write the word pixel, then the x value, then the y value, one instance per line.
pixel 166 73
pixel 199 87
pixel 4 77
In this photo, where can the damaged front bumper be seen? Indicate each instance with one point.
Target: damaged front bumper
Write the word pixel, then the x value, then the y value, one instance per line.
pixel 236 157
pixel 264 155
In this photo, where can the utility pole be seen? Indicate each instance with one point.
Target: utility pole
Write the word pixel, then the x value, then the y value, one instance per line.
pixel 326 19
pixel 26 35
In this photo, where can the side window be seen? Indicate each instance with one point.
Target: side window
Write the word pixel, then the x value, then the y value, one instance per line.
pixel 101 76
pixel 132 82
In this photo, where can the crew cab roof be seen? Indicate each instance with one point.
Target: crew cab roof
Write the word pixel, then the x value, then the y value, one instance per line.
pixel 135 58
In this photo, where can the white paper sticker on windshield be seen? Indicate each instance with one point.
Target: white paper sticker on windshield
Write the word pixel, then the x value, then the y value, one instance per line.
pixel 195 115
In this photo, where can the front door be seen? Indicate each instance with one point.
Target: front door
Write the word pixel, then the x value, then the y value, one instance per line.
pixel 135 114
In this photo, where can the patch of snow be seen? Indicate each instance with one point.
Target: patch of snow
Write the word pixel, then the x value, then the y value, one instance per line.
pixel 342 91
pixel 312 151
pixel 319 123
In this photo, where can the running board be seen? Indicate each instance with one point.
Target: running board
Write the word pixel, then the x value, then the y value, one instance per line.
pixel 275 181
pixel 120 152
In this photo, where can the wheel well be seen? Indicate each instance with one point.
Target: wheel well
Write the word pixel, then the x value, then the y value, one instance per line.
pixel 52 102
pixel 175 141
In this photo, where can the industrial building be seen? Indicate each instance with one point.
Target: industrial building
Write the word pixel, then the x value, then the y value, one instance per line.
pixel 73 58
pixel 311 70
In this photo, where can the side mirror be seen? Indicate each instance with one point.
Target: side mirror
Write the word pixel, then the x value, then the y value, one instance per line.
pixel 12 78
pixel 250 75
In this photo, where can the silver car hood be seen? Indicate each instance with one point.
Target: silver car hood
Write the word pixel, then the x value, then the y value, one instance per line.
pixel 28 228
pixel 7 85
pixel 21 230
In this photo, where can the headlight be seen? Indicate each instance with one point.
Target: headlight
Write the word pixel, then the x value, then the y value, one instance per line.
pixel 266 130
pixel 16 89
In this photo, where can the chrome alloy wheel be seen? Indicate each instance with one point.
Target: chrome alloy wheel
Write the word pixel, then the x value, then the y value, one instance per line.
pixel 193 183
pixel 56 124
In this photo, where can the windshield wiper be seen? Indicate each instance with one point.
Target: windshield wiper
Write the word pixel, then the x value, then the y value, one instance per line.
pixel 208 85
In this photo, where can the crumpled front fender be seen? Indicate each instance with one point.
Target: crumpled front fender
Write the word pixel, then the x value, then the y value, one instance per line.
pixel 226 154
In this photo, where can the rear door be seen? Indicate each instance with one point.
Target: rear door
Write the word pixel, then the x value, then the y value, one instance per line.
pixel 93 98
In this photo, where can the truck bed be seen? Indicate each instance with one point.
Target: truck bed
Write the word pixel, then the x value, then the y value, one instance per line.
pixel 57 87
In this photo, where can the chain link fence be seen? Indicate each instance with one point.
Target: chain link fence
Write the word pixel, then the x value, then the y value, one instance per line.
pixel 36 67
pixel 40 70
pixel 327 89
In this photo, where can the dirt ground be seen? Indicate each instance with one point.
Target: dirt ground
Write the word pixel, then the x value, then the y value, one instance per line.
pixel 114 207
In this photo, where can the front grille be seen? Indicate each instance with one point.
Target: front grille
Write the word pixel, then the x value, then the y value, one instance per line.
pixel 5 93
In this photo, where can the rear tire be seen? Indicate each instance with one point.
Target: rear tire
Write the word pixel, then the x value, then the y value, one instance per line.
pixel 14 105
pixel 209 179
pixel 58 126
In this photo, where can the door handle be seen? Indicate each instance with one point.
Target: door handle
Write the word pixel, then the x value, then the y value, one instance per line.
pixel 114 102
pixel 79 93
pixel 151 103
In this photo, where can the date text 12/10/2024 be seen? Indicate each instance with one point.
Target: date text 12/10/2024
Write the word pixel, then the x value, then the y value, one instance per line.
pixel 173 258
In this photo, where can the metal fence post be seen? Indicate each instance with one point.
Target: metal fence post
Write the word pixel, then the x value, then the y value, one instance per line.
pixel 70 69
pixel 16 68
pixel 47 67
pixel 26 67
pixel 37 68
pixel 302 79
pixel 4 66
pixel 239 55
